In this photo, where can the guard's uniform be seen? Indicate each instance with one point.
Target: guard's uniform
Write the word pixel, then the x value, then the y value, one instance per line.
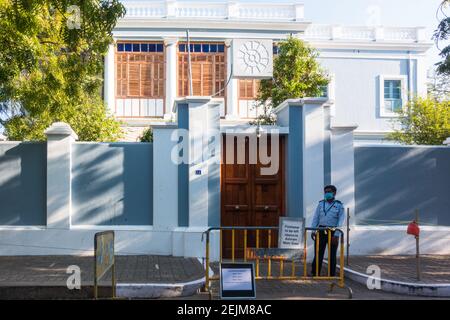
pixel 327 214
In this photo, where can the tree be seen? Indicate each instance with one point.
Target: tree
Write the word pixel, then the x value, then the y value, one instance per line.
pixel 296 74
pixel 442 33
pixel 147 135
pixel 439 87
pixel 51 66
pixel 424 121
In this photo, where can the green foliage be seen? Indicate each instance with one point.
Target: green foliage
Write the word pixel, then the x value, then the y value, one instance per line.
pixel 147 135
pixel 52 71
pixel 441 34
pixel 439 87
pixel 424 121
pixel 296 74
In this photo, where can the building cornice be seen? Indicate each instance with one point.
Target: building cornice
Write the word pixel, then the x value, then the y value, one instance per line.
pixel 212 24
pixel 262 20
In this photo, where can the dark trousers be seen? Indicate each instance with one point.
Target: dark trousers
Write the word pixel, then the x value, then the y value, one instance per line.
pixel 323 242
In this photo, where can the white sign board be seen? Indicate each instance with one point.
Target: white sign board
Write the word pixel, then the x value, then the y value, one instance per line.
pixel 290 234
pixel 252 58
pixel 237 280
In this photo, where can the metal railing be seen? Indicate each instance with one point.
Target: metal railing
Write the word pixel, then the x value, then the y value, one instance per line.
pixel 247 254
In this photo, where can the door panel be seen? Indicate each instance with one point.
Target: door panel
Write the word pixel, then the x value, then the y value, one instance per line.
pixel 250 198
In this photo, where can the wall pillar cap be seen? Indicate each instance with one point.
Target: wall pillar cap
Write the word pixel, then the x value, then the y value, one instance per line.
pixel 343 127
pixel 190 99
pixel 300 102
pixel 61 129
pixel 447 142
pixel 165 125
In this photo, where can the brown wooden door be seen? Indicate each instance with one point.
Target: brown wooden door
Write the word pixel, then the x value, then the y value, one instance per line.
pixel 250 198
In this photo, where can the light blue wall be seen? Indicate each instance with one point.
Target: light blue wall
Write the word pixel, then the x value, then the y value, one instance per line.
pixel 357 89
pixel 391 182
pixel 23 184
pixel 112 184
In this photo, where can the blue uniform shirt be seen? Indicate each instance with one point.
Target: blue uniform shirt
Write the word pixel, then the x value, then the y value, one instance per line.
pixel 329 214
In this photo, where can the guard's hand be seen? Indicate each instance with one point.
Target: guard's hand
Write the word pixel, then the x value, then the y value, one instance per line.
pixel 313 236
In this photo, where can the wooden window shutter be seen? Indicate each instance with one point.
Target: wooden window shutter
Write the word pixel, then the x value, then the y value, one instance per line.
pixel 208 69
pixel 140 74
pixel 134 80
pixel 248 89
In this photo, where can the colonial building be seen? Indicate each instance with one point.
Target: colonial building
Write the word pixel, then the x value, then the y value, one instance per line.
pixel 161 197
pixel 373 70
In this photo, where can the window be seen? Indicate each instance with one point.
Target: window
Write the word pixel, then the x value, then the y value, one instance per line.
pixel 392 94
pixel 248 89
pixel 140 70
pixel 208 69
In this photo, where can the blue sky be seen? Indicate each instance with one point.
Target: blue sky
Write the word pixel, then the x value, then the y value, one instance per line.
pixel 407 13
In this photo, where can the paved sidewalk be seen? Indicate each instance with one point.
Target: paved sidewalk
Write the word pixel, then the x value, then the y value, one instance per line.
pixel 51 270
pixel 309 290
pixel 30 277
pixel 435 269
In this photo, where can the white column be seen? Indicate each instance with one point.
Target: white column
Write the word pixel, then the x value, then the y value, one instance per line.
pixel 232 88
pixel 421 76
pixel 109 82
pixel 165 179
pixel 313 155
pixel 343 164
pixel 171 76
pixel 59 165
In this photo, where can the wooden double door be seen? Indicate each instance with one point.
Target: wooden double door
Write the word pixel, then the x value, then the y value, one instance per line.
pixel 250 197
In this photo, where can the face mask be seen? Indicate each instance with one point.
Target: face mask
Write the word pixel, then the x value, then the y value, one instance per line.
pixel 329 196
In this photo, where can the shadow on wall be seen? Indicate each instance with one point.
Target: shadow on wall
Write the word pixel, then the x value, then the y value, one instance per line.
pixel 391 182
pixel 23 184
pixel 112 184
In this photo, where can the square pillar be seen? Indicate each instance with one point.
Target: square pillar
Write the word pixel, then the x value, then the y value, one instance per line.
pixel 60 137
pixel 198 174
pixel 199 118
pixel 165 178
pixel 305 153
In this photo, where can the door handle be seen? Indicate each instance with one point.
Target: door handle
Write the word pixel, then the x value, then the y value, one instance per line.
pixel 236 208
pixel 266 208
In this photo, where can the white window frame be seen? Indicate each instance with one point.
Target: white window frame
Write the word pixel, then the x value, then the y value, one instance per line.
pixel 404 95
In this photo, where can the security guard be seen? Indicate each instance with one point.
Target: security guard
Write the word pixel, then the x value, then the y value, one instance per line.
pixel 329 213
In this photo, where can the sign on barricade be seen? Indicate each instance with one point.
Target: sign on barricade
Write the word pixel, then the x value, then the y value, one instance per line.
pixel 237 281
pixel 104 259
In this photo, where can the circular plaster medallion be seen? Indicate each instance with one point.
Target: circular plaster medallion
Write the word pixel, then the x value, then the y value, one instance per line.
pixel 254 57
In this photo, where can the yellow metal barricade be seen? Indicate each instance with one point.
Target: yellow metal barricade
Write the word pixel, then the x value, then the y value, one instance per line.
pixel 252 254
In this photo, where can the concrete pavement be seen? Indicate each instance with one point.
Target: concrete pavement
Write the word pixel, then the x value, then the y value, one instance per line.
pixel 45 277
